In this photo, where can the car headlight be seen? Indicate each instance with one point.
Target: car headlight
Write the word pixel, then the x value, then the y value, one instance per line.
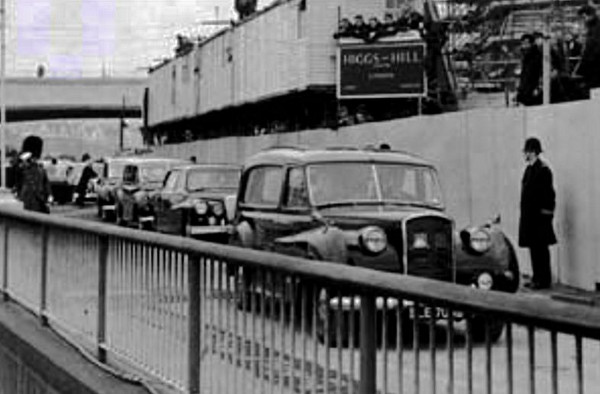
pixel 485 281
pixel 201 207
pixel 373 239
pixel 480 241
pixel 218 209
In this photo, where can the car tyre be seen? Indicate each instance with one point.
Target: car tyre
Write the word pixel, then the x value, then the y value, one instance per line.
pixel 119 216
pixel 478 324
pixel 327 331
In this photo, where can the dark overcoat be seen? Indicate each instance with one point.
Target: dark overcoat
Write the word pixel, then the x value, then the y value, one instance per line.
pixel 531 76
pixel 589 65
pixel 538 200
pixel 33 187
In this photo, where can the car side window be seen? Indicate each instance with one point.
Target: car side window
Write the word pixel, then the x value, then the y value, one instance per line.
pixel 296 191
pixel 263 186
pixel 129 174
pixel 171 181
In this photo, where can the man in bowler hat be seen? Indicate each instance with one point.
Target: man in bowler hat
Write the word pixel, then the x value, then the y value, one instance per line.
pixel 538 201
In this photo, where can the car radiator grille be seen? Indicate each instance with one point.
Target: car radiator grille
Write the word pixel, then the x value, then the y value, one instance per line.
pixel 429 247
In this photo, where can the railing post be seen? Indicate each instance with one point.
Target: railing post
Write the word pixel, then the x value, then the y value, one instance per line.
pixel 368 345
pixel 194 324
pixel 44 278
pixel 102 277
pixel 5 295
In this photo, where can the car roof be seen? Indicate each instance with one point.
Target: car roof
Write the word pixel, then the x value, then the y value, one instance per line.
pixel 148 160
pixel 188 167
pixel 298 156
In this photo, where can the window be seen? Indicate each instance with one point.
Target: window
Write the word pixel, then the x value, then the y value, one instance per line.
pixel 296 190
pixel 400 5
pixel 263 186
pixel 171 182
pixel 213 178
pixel 130 174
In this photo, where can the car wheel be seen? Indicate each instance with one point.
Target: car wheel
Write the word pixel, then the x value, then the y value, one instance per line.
pixel 513 266
pixel 243 292
pixel 119 216
pixel 146 226
pixel 478 323
pixel 328 322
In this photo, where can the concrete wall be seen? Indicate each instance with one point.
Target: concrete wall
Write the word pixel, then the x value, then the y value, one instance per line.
pixel 98 137
pixel 478 154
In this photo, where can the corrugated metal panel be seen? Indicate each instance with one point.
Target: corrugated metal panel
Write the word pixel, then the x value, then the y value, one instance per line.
pixel 261 57
pixel 282 49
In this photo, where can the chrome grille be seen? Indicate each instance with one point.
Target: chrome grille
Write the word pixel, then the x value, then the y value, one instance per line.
pixel 429 247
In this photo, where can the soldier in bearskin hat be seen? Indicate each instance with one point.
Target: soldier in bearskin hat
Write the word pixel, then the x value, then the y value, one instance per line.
pixel 32 186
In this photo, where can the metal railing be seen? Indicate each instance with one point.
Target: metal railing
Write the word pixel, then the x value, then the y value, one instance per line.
pixel 211 318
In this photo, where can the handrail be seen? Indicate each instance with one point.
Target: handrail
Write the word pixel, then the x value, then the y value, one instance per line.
pixel 547 313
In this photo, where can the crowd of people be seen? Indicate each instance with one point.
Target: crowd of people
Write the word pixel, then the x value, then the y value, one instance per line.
pixel 373 29
pixel 569 79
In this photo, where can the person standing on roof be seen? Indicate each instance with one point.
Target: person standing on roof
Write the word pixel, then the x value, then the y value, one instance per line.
pixel 589 65
pixel 529 92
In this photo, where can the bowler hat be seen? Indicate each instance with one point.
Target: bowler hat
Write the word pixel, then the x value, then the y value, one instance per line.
pixel 532 145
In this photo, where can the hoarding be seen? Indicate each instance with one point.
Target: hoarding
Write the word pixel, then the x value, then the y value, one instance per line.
pixel 381 70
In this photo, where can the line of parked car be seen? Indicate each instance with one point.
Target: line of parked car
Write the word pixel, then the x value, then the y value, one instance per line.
pixel 372 208
pixel 64 175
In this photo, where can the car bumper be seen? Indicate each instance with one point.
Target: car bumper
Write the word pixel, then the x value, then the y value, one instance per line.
pixel 207 230
pixel 391 304
pixel 146 219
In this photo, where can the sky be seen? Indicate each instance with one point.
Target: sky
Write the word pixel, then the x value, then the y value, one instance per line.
pixel 90 38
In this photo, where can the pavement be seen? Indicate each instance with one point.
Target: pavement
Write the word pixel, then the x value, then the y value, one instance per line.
pixel 564 293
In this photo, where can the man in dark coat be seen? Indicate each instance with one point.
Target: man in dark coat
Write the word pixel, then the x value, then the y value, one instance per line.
pixel 32 185
pixel 529 92
pixel 87 175
pixel 589 65
pixel 538 201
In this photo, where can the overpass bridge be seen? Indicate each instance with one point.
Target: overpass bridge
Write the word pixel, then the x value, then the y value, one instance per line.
pixel 75 115
pixel 182 314
pixel 31 99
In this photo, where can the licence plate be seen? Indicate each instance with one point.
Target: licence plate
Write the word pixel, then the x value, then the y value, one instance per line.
pixel 439 313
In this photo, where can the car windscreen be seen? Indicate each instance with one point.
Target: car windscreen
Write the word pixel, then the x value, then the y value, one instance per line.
pixel 331 183
pixel 115 169
pixel 213 178
pixel 153 172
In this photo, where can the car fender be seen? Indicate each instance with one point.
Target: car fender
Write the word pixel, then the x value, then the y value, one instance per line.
pixel 329 243
pixel 244 235
pixel 500 258
pixel 497 256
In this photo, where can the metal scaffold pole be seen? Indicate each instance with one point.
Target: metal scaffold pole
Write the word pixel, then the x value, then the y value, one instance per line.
pixel 3 93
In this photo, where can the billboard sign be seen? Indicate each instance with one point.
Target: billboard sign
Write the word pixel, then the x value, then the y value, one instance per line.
pixel 381 70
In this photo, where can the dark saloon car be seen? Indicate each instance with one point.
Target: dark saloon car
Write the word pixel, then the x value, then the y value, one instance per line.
pixel 381 210
pixel 141 177
pixel 197 200
pixel 106 184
